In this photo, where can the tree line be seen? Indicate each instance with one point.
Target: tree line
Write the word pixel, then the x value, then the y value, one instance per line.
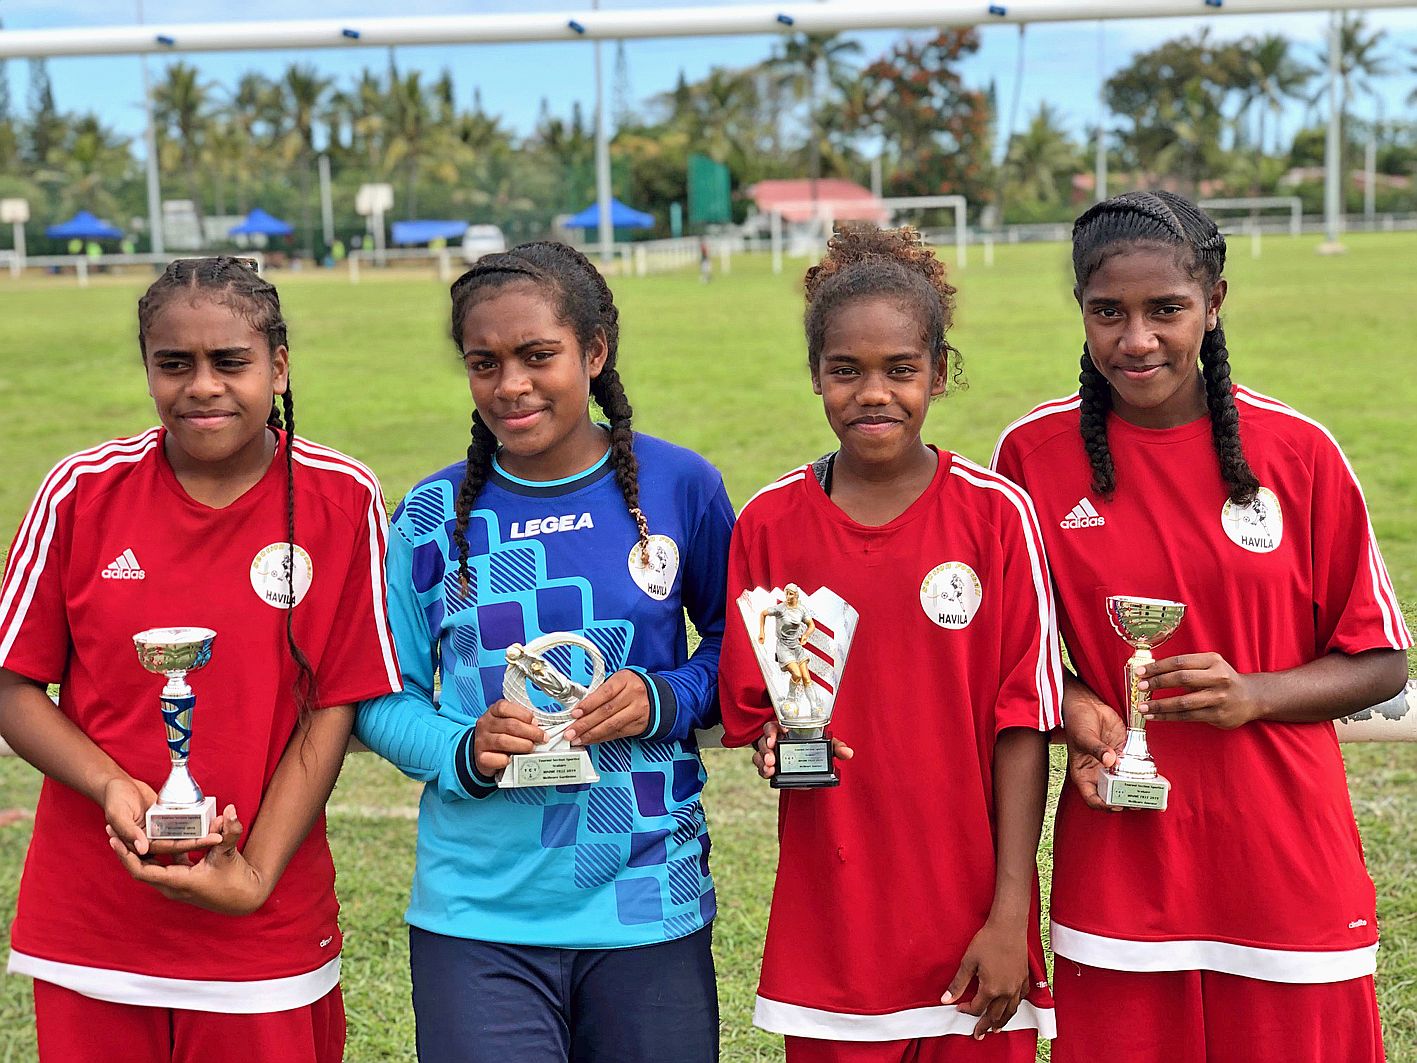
pixel 1203 114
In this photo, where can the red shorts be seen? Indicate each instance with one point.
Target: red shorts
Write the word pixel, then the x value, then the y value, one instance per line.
pixel 1209 1017
pixel 1016 1046
pixel 74 1028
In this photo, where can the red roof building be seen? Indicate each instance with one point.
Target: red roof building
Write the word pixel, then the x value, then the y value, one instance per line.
pixel 839 199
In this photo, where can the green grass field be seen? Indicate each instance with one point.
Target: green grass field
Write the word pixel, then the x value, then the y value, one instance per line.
pixel 721 369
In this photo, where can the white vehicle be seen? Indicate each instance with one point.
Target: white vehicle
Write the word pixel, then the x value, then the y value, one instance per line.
pixel 481 240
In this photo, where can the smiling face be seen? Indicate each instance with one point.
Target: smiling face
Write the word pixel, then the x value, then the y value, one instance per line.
pixel 876 375
pixel 530 380
pixel 1145 317
pixel 213 378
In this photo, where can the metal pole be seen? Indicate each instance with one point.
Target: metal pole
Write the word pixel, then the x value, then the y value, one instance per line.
pixel 327 208
pixel 155 239
pixel 1333 147
pixel 1100 169
pixel 602 160
pixel 19 259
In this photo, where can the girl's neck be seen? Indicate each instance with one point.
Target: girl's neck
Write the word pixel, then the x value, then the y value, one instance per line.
pixel 570 456
pixel 220 483
pixel 873 493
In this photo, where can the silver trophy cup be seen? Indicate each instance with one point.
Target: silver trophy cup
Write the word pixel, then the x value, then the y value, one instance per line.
pixel 182 810
pixel 555 762
pixel 1133 782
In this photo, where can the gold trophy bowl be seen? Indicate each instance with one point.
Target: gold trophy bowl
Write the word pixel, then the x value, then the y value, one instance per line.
pixel 1143 623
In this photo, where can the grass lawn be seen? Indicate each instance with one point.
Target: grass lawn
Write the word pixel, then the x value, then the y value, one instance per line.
pixel 720 368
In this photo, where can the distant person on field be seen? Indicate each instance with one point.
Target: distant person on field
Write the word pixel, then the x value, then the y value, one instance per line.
pixel 1238 925
pixel 705 261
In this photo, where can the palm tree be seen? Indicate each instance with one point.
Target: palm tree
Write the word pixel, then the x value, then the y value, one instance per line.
pixel 1358 63
pixel 304 90
pixel 1275 76
pixel 1041 157
pixel 805 58
pixel 182 107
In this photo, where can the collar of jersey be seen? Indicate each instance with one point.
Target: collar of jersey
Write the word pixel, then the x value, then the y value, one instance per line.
pixel 823 501
pixel 545 488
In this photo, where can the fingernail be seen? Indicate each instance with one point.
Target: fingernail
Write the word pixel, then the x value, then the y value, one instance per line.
pixel 948 998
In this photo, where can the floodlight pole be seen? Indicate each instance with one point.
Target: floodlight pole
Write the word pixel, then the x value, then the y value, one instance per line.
pixel 606 229
pixel 327 208
pixel 150 138
pixel 1333 146
pixel 1100 170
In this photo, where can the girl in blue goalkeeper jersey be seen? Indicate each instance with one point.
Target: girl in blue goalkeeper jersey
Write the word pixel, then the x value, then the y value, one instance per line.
pixel 556 923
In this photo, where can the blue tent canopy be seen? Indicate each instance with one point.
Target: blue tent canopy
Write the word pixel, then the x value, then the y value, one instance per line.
pixel 259 223
pixel 422 232
pixel 621 217
pixel 83 226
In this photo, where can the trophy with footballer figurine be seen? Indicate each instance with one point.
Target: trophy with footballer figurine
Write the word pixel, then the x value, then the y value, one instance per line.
pixel 182 811
pixel 801 666
pixel 554 762
pixel 1133 781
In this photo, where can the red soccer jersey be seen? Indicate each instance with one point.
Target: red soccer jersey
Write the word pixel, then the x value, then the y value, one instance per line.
pixel 111 546
pixel 1256 867
pixel 883 881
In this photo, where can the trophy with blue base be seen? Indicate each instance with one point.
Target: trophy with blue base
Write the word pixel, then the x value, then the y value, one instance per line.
pixel 182 811
pixel 554 762
pixel 1133 781
pixel 801 666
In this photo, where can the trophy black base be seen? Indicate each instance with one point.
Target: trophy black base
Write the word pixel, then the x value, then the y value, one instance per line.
pixel 1122 792
pixel 804 764
pixel 181 823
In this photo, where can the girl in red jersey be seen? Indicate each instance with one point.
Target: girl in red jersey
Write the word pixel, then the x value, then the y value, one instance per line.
pixel 1238 924
pixel 147 956
pixel 905 919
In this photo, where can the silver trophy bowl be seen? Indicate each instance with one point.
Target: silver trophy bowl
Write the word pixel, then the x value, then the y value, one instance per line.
pixel 1144 622
pixel 174 650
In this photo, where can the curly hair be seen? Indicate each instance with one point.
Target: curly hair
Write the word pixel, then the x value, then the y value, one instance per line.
pixel 1159 219
pixel 584 303
pixel 235 284
pixel 864 261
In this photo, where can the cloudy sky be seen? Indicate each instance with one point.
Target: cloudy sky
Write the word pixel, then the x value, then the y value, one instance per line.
pixel 1065 62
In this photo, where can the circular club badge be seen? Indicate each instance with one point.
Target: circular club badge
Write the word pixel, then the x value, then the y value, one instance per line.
pixel 272 570
pixel 1258 527
pixel 654 570
pixel 950 595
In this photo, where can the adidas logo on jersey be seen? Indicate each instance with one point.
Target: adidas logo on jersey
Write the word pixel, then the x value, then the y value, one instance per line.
pixel 1083 516
pixel 124 566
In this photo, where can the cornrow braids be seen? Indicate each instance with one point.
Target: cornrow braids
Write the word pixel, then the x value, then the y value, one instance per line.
pixel 1159 219
pixel 234 283
pixel 864 261
pixel 584 303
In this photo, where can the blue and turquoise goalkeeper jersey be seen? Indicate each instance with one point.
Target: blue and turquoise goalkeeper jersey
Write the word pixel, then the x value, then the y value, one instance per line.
pixel 620 862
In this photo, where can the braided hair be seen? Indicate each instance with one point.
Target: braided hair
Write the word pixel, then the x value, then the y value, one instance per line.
pixel 1167 220
pixel 235 284
pixel 583 302
pixel 864 262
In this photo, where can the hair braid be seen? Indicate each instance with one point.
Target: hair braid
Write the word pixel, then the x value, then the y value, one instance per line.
pixel 1096 397
pixel 305 690
pixel 1165 219
pixel 480 450
pixel 1225 418
pixel 609 395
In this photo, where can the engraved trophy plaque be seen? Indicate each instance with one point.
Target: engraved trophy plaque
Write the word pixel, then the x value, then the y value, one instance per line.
pixel 554 762
pixel 1133 782
pixel 801 664
pixel 182 810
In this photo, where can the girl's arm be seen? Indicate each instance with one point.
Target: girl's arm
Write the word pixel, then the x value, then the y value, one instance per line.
pixel 998 955
pixel 668 704
pixel 234 881
pixel 1094 732
pixel 1334 685
pixel 42 735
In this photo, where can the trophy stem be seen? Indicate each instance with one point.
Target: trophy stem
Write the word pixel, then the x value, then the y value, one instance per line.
pixel 1135 761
